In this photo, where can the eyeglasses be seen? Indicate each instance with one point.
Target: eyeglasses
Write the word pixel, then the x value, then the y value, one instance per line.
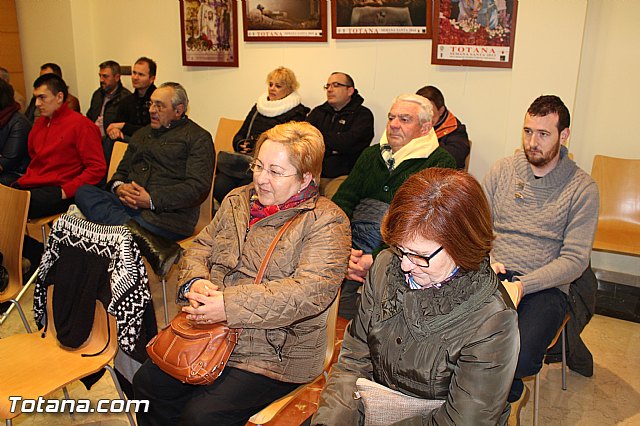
pixel 257 167
pixel 159 106
pixel 335 85
pixel 416 259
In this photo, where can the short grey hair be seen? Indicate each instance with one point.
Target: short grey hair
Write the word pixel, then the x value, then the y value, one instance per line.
pixel 179 95
pixel 4 74
pixel 426 110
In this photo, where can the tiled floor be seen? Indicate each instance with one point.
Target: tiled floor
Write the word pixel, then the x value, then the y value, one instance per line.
pixel 610 397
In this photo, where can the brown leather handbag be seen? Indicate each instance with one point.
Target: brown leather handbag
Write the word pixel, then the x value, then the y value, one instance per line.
pixel 194 353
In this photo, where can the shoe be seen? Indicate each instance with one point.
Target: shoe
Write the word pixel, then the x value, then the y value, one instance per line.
pixel 160 252
pixel 75 211
pixel 516 407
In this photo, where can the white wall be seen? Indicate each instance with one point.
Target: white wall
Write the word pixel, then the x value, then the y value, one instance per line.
pixel 581 50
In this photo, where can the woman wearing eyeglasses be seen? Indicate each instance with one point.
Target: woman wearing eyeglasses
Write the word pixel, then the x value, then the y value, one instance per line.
pixel 280 104
pixel 282 344
pixel 434 321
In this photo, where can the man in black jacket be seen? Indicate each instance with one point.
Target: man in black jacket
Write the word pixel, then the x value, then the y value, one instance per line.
pixel 164 176
pixel 133 113
pixel 345 124
pixel 106 99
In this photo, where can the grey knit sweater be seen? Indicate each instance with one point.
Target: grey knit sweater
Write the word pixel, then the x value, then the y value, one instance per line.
pixel 544 227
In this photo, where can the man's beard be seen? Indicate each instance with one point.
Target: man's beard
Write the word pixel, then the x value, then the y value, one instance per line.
pixel 541 161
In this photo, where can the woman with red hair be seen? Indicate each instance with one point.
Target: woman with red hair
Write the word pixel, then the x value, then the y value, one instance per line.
pixel 434 320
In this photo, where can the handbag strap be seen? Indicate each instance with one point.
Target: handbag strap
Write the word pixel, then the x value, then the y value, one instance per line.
pixel 272 247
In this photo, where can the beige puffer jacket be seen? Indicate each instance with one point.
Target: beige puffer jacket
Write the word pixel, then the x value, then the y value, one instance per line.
pixel 284 317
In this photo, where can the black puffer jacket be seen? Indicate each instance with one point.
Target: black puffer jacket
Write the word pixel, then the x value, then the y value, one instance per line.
pixel 346 134
pixel 459 343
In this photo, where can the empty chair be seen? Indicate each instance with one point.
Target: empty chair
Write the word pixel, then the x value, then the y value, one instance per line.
pixel 35 364
pixel 619 218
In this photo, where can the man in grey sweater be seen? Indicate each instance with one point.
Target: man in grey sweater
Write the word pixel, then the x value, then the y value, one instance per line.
pixel 545 212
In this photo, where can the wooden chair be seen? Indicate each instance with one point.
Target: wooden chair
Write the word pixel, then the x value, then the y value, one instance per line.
pixel 119 148
pixel 269 412
pixel 13 219
pixel 536 386
pixel 227 129
pixel 514 294
pixel 619 218
pixel 34 365
pixel 468 158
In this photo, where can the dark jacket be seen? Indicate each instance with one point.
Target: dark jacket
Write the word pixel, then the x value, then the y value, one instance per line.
pixel 262 123
pixel 176 167
pixel 14 157
pixel 283 317
pixel 133 111
pixel 459 343
pixel 452 136
pixel 346 134
pixel 110 108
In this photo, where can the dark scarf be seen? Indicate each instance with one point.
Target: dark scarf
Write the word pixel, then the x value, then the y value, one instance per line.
pixel 258 211
pixel 7 113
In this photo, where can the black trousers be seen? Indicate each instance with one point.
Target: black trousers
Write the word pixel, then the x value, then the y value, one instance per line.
pixel 46 200
pixel 230 401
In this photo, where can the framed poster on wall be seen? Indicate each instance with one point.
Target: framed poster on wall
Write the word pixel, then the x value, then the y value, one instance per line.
pixel 209 32
pixel 284 20
pixel 479 33
pixel 375 19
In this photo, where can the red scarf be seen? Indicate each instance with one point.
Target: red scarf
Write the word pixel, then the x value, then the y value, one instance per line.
pixel 258 211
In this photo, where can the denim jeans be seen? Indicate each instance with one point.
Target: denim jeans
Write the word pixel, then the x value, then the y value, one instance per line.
pixel 104 207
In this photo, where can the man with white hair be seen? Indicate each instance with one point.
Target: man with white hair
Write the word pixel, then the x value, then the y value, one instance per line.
pixel 164 176
pixel 408 145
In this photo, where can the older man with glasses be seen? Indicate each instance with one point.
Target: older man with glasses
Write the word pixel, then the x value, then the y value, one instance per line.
pixel 164 176
pixel 346 126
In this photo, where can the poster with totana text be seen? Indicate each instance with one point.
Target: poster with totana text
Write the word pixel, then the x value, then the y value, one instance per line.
pixel 478 33
pixel 377 19
pixel 284 20
pixel 209 30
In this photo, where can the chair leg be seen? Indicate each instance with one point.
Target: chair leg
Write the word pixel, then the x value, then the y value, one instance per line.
pixel 21 312
pixel 536 398
pixel 44 235
pixel 19 296
pixel 120 393
pixel 564 359
pixel 9 422
pixel 164 300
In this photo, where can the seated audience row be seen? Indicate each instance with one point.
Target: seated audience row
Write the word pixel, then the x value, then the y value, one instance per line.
pixel 436 225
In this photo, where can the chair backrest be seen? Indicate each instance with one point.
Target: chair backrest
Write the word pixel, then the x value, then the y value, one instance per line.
pixel 104 329
pixel 332 321
pixel 206 207
pixel 14 205
pixel 119 149
pixel 227 129
pixel 468 158
pixel 618 181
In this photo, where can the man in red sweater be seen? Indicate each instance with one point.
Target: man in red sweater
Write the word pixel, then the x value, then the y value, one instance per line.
pixel 65 150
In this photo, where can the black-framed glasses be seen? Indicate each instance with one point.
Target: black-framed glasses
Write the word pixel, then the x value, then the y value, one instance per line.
pixel 335 85
pixel 257 167
pixel 159 106
pixel 417 259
